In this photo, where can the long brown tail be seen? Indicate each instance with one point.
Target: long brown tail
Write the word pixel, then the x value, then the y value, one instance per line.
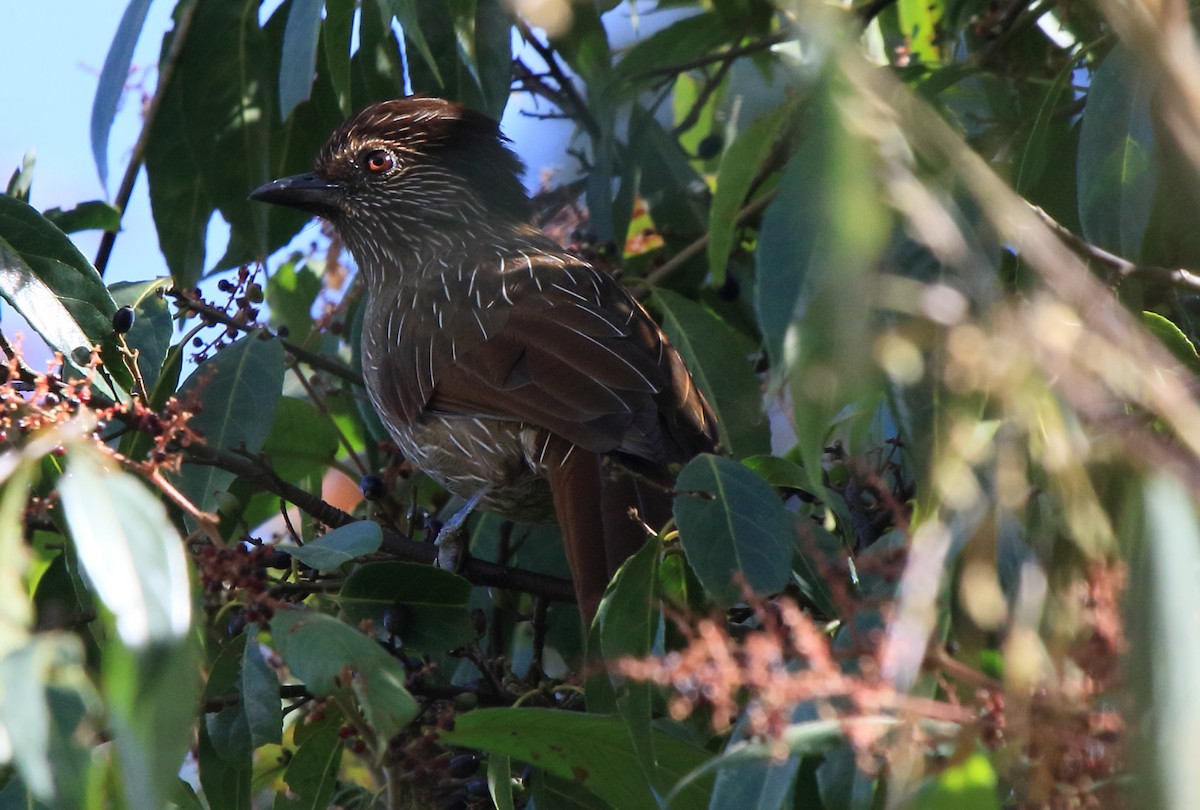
pixel 592 500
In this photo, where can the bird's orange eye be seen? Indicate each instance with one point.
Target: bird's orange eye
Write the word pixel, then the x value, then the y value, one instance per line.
pixel 378 161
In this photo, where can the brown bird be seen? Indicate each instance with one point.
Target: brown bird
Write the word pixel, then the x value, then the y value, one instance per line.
pixel 509 370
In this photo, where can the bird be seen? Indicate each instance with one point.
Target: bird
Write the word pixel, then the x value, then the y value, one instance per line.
pixel 511 371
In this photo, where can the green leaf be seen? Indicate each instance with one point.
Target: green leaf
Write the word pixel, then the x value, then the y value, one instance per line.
pixel 428 605
pixel 218 135
pixel 818 247
pixel 291 291
pixel 719 359
pixel 921 23
pixel 50 283
pixel 1166 650
pixel 499 778
pixel 226 783
pixel 1117 167
pixel 151 695
pixel 239 389
pixel 970 783
pixel 298 60
pixel 317 648
pixel 628 619
pixel 776 471
pixel 335 36
pixel 584 45
pixel 21 182
pixel 1174 339
pixel 95 215
pixel 406 12
pixel 682 41
pixel 151 334
pixel 740 164
pixel 113 76
pixel 312 773
pixel 132 553
pixel 16 608
pixel 28 672
pixel 295 460
pixel 260 698
pixel 228 728
pixel 594 751
pixel 338 547
pixel 731 522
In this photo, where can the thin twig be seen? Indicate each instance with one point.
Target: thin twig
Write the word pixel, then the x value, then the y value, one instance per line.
pixel 584 115
pixel 726 56
pixel 165 71
pixel 1118 270
pixel 318 361
pixel 680 258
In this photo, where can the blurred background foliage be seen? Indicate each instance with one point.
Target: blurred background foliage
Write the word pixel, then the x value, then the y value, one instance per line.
pixel 928 259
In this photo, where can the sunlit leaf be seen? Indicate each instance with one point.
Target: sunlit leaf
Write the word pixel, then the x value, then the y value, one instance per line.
pixel 1173 338
pixel 131 551
pixel 969 783
pixel 55 288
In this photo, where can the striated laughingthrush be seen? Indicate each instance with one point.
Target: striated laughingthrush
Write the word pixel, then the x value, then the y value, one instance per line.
pixel 509 370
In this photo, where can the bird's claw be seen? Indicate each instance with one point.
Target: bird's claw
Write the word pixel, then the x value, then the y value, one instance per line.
pixel 452 549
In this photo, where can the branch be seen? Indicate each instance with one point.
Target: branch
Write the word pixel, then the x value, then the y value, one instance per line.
pixel 725 56
pixel 577 102
pixel 711 83
pixel 165 72
pixel 1119 270
pixel 478 572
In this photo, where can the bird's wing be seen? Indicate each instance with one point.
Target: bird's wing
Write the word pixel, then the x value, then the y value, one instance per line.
pixel 569 350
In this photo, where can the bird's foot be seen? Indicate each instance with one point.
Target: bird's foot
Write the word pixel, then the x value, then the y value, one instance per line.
pixel 451 541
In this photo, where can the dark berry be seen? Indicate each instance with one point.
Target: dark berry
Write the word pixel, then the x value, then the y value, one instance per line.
pixel 463 766
pixel 122 320
pixel 283 331
pixel 236 625
pixel 224 285
pixel 372 487
pixel 710 146
pixel 197 342
pixel 477 788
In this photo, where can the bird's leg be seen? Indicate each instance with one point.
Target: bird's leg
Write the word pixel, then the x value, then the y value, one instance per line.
pixel 450 542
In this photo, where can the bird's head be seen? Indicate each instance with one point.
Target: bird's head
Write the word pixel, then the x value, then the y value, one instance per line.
pixel 407 169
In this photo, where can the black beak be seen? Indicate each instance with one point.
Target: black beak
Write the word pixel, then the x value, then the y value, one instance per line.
pixel 308 192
